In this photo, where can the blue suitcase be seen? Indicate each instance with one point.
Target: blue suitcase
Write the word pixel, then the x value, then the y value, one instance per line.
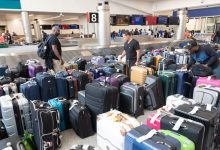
pixel 55 103
pixel 62 87
pixel 109 71
pixel 62 74
pixel 97 72
pixel 3 67
pixel 47 85
pixel 157 142
pixel 31 90
pixel 182 79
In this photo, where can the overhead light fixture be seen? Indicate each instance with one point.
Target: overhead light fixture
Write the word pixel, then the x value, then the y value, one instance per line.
pixel 51 18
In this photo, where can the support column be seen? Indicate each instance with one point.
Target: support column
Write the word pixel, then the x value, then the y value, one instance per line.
pixel 104 24
pixel 182 26
pixel 37 30
pixel 26 27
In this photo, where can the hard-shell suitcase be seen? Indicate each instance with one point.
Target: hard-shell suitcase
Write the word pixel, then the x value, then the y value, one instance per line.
pixel 82 97
pixel 12 73
pixel 200 114
pixel 3 132
pixel 71 87
pixel 22 69
pixel 182 58
pixel 45 125
pixel 33 69
pixel 139 73
pixel 143 137
pixel 31 90
pixel 122 78
pixel 153 93
pixel 208 81
pixel 47 85
pixel 97 72
pixel 188 128
pixel 102 100
pixel 164 63
pixel 192 83
pixel 182 87
pixel 186 144
pixel 3 67
pixel 19 81
pixel 153 121
pixel 115 121
pixel 5 80
pixel 158 58
pixel 81 120
pixel 82 79
pixel 132 99
pixel 61 86
pixel 109 80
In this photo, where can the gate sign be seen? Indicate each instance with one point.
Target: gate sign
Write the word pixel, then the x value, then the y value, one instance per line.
pixel 10 4
pixel 93 17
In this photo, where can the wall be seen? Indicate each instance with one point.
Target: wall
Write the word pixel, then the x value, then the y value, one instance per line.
pixel 15 26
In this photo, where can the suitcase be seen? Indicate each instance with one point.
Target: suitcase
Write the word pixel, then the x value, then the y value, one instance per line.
pixel 109 80
pixel 3 67
pixel 31 90
pixel 153 120
pixel 122 78
pixel 174 67
pixel 153 93
pixel 1 92
pixel 164 63
pixel 5 80
pixel 170 55
pixel 208 81
pixel 33 69
pixel 137 139
pixel 61 87
pixel 121 68
pixel 47 85
pixel 55 103
pixel 139 73
pixel 148 61
pixel 72 87
pixel 109 71
pixel 45 125
pixel 190 129
pixel 82 79
pixel 62 74
pixel 9 89
pixel 13 140
pixel 97 72
pixel 102 100
pixel 207 118
pixel 169 82
pixel 3 132
pixel 182 58
pixel 115 121
pixel 81 64
pixel 182 79
pixel 70 66
pixel 98 60
pixel 80 119
pixel 12 73
pixel 23 70
pixel 131 99
pixel 192 83
pixel 186 144
pixel 207 95
pixel 82 97
pixel 158 58
pixel 19 81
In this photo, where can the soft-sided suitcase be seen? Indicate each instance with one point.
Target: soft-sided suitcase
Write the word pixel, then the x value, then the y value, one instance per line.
pixel 207 95
pixel 121 68
pixel 182 79
pixel 55 103
pixel 153 93
pixel 98 60
pixel 33 69
pixel 22 69
pixel 109 71
pixel 97 72
pixel 31 90
pixel 132 99
pixel 3 67
pixel 5 80
pixel 143 138
pixel 10 88
pixel 3 132
pixel 153 120
pixel 139 73
pixel 47 85
pixel 19 81
pixel 122 78
pixel 169 82
pixel 164 63
pixel 115 121
pixel 81 120
pixel 81 64
pixel 208 81
pixel 186 144
pixel 182 58
pixel 82 97
pixel 192 83
pixel 71 87
pixel 12 73
pixel 200 114
pixel 174 67
pixel 102 100
pixel 45 121
pixel 109 80
pixel 82 79
pixel 188 128
pixel 61 86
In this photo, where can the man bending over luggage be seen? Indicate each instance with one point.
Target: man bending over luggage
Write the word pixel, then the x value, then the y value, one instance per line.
pixel 206 55
pixel 131 50
pixel 55 52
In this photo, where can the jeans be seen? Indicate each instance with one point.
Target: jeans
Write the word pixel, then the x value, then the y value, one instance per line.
pixel 216 71
pixel 217 40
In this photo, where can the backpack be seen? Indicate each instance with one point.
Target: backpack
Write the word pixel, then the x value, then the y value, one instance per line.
pixel 43 48
pixel 201 71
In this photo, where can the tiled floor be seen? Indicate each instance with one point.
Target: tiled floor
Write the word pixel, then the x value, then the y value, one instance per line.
pixel 69 137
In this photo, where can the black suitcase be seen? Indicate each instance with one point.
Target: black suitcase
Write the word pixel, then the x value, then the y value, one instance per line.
pixel 192 130
pixel 23 70
pixel 122 78
pixel 45 121
pixel 192 84
pixel 82 78
pixel 82 97
pixel 81 64
pixel 3 132
pixel 100 99
pixel 19 81
pixel 131 99
pixel 70 88
pixel 12 73
pixel 5 80
pixel 121 68
pixel 47 84
pixel 207 118
pixel 62 87
pixel 153 93
pixel 66 107
pixel 80 119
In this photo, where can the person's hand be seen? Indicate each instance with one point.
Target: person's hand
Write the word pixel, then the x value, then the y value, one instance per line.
pixel 62 62
pixel 137 63
pixel 120 58
pixel 184 67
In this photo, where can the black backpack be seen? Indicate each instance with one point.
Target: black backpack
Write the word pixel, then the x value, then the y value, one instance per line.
pixel 201 71
pixel 43 48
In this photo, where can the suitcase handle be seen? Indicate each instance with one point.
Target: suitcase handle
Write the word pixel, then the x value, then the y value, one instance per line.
pixel 173 124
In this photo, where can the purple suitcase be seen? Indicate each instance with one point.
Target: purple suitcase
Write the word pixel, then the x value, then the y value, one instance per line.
pixel 98 60
pixel 110 80
pixel 33 69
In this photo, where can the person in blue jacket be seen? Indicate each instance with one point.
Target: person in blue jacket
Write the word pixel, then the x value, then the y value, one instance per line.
pixel 204 54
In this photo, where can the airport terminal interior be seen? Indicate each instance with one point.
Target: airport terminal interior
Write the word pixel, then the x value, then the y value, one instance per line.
pixel 110 74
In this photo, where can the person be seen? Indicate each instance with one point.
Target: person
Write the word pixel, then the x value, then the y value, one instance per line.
pixel 82 35
pixel 140 32
pixel 54 61
pixel 217 37
pixel 149 32
pixel 8 38
pixel 14 34
pixel 172 33
pixel 186 34
pixel 2 38
pixel 165 34
pixel 131 50
pixel 136 32
pixel 113 35
pixel 204 54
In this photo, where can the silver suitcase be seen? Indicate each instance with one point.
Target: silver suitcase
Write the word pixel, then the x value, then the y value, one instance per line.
pixel 182 59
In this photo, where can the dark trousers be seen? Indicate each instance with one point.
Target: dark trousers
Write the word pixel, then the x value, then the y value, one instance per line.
pixel 130 63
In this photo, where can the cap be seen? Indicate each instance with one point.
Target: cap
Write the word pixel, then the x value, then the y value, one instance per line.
pixel 191 44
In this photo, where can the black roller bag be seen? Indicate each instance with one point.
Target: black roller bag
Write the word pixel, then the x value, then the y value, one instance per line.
pixel 3 132
pixel 19 81
pixel 12 73
pixel 23 70
pixel 5 80
pixel 82 79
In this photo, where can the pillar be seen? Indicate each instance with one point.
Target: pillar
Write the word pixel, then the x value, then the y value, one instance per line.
pixel 104 32
pixel 37 30
pixel 182 26
pixel 26 27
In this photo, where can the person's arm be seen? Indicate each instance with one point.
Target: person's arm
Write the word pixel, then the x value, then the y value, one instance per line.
pixel 56 52
pixel 122 55
pixel 138 55
pixel 213 55
pixel 138 51
pixel 191 62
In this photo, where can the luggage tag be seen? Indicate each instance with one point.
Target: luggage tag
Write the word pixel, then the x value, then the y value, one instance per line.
pixel 209 107
pixel 178 124
pixel 209 78
pixel 194 110
pixel 154 118
pixel 147 136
